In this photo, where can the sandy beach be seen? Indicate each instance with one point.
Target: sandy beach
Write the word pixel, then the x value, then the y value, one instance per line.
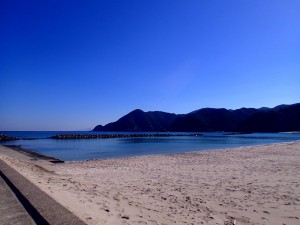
pixel 247 185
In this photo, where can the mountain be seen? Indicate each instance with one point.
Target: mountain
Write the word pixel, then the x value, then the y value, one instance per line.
pixel 281 118
pixel 210 119
pixel 278 119
pixel 139 120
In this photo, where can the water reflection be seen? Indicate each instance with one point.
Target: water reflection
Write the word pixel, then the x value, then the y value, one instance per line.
pixel 84 149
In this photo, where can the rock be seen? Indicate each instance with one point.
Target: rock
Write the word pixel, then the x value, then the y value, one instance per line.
pixel 4 137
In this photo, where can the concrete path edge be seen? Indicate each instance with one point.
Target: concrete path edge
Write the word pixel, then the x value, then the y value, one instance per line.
pixel 42 208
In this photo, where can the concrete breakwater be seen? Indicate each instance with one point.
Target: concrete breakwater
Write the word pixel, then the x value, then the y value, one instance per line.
pixel 99 136
pixel 4 137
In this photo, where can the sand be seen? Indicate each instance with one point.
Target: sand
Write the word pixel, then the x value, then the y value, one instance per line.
pixel 247 185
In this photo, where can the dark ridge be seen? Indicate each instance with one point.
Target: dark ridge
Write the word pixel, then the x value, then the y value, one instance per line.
pixel 140 121
pixel 282 118
pixel 207 119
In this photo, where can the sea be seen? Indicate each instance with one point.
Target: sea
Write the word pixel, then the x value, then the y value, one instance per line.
pixel 88 149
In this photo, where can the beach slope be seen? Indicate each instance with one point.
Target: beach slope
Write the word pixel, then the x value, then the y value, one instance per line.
pixel 247 185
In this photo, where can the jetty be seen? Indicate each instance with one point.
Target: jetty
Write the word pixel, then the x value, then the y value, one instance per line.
pixel 105 136
pixel 4 137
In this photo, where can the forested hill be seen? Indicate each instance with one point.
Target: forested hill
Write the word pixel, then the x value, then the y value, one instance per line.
pixel 282 118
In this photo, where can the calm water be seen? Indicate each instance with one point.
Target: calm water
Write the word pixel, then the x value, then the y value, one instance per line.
pixel 75 150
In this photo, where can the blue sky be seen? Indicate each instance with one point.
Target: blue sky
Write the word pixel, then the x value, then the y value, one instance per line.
pixel 68 65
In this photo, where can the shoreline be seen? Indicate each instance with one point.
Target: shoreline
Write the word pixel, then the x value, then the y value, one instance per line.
pixel 184 153
pixel 36 155
pixel 249 185
pixel 118 149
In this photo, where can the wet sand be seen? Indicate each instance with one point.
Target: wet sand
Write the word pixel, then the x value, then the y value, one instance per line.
pixel 247 185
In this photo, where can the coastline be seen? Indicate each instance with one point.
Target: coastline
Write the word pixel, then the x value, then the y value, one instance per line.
pixel 88 149
pixel 249 185
pixel 34 155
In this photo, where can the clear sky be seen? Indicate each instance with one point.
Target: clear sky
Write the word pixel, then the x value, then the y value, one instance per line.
pixel 68 65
